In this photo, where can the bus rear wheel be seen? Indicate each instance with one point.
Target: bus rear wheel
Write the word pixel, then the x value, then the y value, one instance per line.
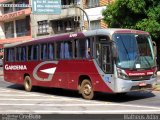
pixel 27 84
pixel 86 90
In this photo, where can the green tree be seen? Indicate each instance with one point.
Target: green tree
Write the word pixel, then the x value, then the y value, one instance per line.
pixel 134 14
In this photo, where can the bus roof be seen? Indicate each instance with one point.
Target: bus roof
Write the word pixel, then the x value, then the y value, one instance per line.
pixel 68 36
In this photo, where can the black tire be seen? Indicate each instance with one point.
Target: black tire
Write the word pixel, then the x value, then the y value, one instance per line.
pixel 86 89
pixel 27 84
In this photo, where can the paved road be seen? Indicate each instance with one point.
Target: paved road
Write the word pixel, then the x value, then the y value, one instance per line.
pixel 13 99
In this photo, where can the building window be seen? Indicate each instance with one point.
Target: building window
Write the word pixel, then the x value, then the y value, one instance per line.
pixel 43 27
pixel 92 3
pixel 21 2
pixel 95 24
pixel 8 9
pixel 68 2
pixel 23 27
pixel 67 25
pixel 9 29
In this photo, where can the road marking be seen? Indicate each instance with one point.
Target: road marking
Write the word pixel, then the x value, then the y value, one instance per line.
pixel 10 95
pixel 98 112
pixel 46 95
pixel 52 98
pixel 81 112
pixel 75 105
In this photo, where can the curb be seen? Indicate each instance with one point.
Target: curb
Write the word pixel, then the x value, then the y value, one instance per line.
pixel 156 87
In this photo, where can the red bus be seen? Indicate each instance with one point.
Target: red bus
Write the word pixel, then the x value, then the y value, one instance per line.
pixel 103 60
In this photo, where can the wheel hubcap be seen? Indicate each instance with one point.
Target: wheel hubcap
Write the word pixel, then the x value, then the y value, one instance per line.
pixel 27 84
pixel 87 89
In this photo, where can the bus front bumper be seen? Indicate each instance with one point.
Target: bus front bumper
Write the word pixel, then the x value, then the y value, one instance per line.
pixel 132 85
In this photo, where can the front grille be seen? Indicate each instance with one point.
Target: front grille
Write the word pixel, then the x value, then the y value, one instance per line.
pixel 149 86
pixel 137 78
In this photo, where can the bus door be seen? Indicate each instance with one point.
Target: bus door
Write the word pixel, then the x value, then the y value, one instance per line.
pixel 104 56
pixel 106 62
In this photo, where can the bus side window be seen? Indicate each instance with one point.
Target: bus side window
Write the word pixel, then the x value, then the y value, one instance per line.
pixel 23 54
pixel 10 54
pixel 60 50
pixel 83 48
pixel 51 51
pixel 29 52
pixel 18 54
pixel 68 53
pixel 44 52
pixel 64 50
pixel 33 52
pixel 88 48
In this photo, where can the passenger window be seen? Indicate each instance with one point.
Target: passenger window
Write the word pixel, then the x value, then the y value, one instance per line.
pixel 51 51
pixel 44 52
pixel 10 55
pixel 33 52
pixel 68 50
pixel 18 54
pixel 64 50
pixel 83 48
pixel 21 53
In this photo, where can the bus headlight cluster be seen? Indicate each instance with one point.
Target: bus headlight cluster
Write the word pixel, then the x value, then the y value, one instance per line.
pixel 122 74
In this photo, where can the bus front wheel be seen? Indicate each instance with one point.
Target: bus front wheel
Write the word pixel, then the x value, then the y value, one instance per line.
pixel 87 90
pixel 27 84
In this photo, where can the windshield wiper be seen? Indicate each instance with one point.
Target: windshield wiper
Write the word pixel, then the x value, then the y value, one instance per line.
pixel 147 61
pixel 137 58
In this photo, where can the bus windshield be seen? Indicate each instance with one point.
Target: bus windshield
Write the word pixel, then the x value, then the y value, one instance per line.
pixel 135 51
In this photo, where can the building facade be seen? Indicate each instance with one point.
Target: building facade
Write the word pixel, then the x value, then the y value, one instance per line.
pixel 14 23
pixel 68 21
pixel 20 24
pixel 94 10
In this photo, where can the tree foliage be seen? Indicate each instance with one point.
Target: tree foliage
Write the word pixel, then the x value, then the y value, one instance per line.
pixel 134 14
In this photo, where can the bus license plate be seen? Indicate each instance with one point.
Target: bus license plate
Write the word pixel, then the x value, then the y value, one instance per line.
pixel 142 84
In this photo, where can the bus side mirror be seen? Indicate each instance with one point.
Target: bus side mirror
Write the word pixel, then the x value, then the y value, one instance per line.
pixel 154 48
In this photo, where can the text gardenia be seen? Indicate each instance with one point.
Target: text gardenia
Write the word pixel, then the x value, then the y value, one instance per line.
pixel 15 67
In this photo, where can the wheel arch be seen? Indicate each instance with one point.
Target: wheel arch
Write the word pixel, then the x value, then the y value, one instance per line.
pixel 83 77
pixel 26 74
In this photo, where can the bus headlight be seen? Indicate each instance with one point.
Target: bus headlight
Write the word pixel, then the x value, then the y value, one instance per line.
pixel 122 74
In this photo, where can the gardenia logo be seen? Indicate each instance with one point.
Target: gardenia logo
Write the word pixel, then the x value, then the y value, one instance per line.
pixel 15 67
